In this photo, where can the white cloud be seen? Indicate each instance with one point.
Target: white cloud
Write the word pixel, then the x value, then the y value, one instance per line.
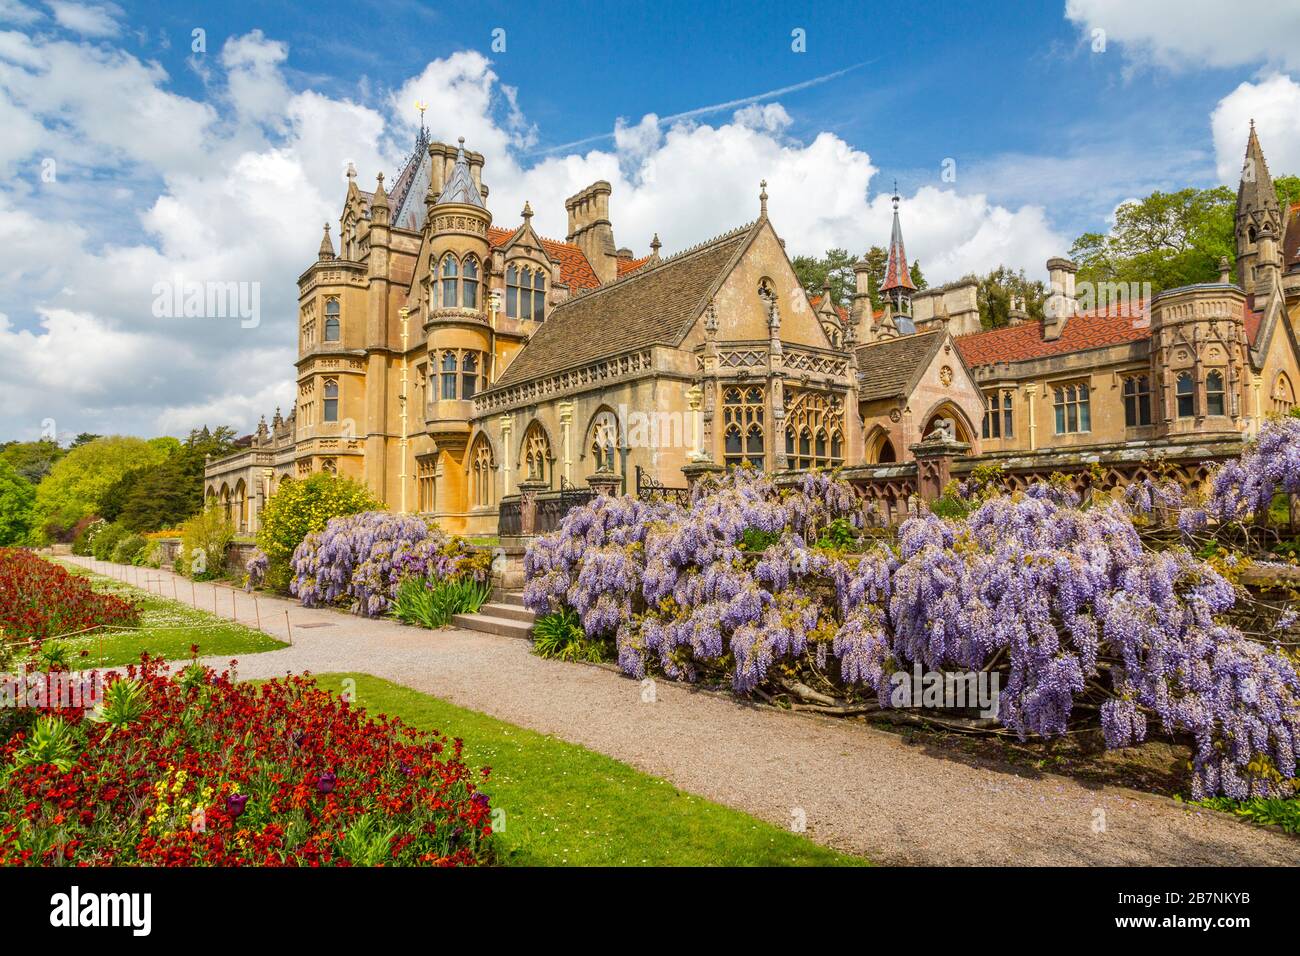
pixel 92 20
pixel 1274 104
pixel 1179 34
pixel 235 187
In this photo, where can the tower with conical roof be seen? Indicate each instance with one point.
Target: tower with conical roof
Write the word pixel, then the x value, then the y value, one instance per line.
pixel 898 287
pixel 1258 222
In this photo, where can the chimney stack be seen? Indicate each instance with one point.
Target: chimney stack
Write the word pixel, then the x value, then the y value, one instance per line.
pixel 590 229
pixel 1061 304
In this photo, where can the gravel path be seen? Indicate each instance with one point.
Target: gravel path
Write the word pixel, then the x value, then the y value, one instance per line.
pixel 860 790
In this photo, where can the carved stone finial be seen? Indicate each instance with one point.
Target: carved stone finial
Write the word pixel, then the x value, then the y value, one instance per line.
pixel 762 199
pixel 655 245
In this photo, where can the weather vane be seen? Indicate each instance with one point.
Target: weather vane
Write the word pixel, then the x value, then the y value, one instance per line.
pixel 421 106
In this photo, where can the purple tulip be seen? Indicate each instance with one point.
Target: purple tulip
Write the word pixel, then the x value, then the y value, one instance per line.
pixel 235 804
pixel 326 782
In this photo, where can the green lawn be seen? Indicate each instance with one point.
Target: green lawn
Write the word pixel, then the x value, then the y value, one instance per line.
pixel 168 629
pixel 568 806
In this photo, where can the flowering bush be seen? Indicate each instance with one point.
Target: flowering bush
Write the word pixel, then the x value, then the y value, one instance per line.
pixel 299 508
pixel 1064 603
pixel 199 770
pixel 39 599
pixel 1243 488
pixel 362 559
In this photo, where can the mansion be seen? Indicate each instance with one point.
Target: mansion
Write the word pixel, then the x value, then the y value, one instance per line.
pixel 450 364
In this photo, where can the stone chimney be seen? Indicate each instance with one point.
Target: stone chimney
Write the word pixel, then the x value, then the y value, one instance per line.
pixel 1017 314
pixel 860 305
pixel 1061 304
pixel 590 229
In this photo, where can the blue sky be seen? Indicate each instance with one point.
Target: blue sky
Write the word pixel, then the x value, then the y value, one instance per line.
pixel 129 159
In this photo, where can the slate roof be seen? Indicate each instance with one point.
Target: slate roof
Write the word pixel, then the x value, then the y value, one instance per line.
pixel 652 306
pixel 890 367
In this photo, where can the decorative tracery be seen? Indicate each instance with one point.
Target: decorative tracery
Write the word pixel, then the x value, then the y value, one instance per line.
pixel 814 433
pixel 537 454
pixel 743 426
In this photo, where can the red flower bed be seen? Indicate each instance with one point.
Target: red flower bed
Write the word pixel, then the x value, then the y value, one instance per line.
pixel 219 773
pixel 39 599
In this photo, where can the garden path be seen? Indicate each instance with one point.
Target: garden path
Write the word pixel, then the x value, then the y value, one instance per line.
pixel 859 789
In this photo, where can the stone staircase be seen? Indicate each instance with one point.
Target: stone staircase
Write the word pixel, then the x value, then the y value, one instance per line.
pixel 505 615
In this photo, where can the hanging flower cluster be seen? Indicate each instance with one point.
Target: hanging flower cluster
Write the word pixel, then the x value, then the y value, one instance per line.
pixel 361 559
pixel 1064 603
pixel 1244 487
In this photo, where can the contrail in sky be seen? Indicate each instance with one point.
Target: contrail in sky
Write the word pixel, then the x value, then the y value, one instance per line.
pixel 717 107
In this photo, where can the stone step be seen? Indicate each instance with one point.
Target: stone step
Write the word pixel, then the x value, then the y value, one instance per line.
pixel 503 626
pixel 514 598
pixel 514 612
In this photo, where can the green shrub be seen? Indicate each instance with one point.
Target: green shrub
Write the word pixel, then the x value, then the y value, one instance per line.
pixel 1264 811
pixel 128 548
pixel 81 543
pixel 433 605
pixel 204 539
pixel 105 540
pixel 297 509
pixel 559 636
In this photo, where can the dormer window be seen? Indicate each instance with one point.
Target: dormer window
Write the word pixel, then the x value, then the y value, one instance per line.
pixel 525 293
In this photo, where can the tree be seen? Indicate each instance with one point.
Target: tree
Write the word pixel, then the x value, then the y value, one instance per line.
pixel 915 275
pixel 300 507
pixel 32 459
pixel 1169 239
pixel 16 499
pixel 84 438
pixel 996 290
pixel 836 266
pixel 78 483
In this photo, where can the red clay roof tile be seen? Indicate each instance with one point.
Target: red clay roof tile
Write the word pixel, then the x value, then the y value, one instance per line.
pixel 575 270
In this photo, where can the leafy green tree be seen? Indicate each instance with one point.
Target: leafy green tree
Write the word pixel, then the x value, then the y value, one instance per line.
pixel 31 459
pixel 16 499
pixel 165 494
pixel 918 279
pixel 300 507
pixel 998 287
pixel 836 266
pixel 79 482
pixel 84 438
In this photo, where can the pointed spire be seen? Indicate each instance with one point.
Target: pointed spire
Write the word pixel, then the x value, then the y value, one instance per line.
pixel 326 244
pixel 380 197
pixel 460 186
pixel 762 199
pixel 655 246
pixel 1255 192
pixel 897 275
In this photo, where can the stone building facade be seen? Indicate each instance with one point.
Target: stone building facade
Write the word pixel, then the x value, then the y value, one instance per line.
pixel 460 369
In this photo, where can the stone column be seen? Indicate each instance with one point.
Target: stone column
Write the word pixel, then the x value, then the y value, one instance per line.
pixel 934 463
pixel 605 482
pixel 566 427
pixel 506 425
pixel 697 470
pixel 695 401
pixel 1031 392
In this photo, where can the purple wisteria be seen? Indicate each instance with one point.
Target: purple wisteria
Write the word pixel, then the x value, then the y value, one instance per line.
pixel 1064 602
pixel 361 559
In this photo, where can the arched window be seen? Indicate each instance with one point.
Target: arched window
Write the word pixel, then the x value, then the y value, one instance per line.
pixel 537 454
pixel 1186 390
pixel 448 376
pixel 539 296
pixel 742 420
pixel 332 328
pixel 1214 396
pixel 1137 401
pixel 512 292
pixel 604 441
pixel 468 375
pixel 886 454
pixel 449 271
pixel 469 287
pixel 331 400
pixel 482 474
pixel 1283 395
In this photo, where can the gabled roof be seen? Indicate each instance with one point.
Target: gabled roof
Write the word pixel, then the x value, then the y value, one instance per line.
pixel 891 368
pixel 651 306
pixel 575 270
